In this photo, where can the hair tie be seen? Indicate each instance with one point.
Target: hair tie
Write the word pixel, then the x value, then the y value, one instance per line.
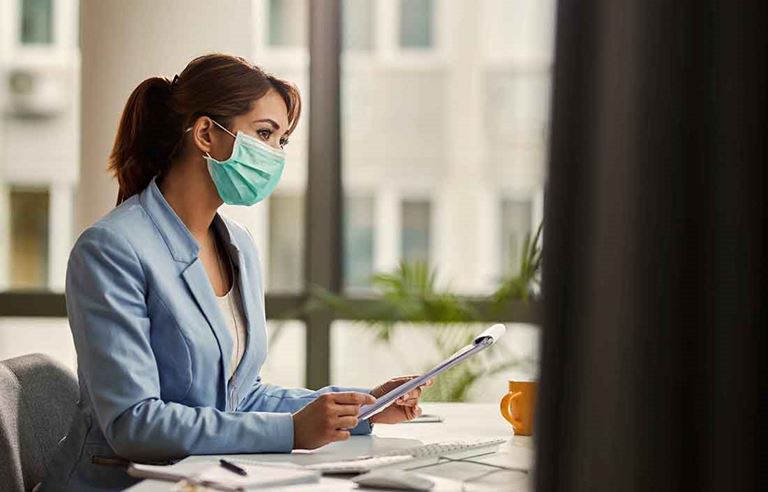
pixel 174 81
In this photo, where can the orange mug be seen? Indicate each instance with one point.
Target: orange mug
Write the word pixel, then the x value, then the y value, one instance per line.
pixel 518 406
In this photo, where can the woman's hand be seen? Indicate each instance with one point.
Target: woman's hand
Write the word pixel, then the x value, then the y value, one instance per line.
pixel 327 419
pixel 404 408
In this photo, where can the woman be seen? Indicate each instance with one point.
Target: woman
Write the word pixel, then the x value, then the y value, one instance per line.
pixel 165 297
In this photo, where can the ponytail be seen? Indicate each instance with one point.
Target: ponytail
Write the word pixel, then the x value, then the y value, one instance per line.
pixel 151 129
pixel 147 135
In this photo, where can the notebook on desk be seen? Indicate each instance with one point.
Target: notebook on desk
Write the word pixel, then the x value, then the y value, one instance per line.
pixel 216 477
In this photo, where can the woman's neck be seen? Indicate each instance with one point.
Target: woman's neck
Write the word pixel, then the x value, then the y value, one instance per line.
pixel 192 195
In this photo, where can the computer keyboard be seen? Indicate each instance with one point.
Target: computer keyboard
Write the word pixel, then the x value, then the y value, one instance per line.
pixel 408 458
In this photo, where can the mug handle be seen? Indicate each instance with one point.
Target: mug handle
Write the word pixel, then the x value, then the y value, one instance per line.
pixel 507 412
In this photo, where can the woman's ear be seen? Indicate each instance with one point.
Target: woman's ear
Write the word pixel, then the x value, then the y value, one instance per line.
pixel 202 135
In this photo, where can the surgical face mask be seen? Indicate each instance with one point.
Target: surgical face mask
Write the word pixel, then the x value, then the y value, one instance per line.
pixel 250 174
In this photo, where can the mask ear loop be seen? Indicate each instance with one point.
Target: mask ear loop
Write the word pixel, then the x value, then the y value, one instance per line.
pixel 207 154
pixel 220 126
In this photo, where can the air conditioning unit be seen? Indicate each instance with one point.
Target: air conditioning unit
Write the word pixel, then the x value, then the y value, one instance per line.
pixel 38 91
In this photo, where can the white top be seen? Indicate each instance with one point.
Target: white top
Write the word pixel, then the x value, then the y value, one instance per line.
pixel 231 305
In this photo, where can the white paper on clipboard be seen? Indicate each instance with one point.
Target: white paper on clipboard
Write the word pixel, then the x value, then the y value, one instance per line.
pixel 480 343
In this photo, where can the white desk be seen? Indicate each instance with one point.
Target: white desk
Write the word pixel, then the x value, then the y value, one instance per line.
pixel 462 421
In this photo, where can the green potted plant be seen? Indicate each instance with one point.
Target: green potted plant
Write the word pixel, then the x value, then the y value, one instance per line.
pixel 408 297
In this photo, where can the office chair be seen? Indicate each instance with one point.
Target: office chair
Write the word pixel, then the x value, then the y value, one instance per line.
pixel 37 401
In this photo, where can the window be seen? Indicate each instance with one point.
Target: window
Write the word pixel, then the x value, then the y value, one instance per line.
pixel 283 36
pixel 416 23
pixel 415 239
pixel 286 242
pixel 29 238
pixel 286 28
pixel 515 225
pixel 36 22
pixel 414 115
pixel 286 363
pixel 357 24
pixel 358 242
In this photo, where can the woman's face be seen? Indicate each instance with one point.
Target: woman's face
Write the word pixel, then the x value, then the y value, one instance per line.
pixel 267 121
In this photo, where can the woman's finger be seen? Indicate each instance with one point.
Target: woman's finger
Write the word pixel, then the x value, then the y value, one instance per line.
pixel 412 412
pixel 411 395
pixel 340 435
pixel 345 410
pixel 352 398
pixel 412 402
pixel 346 423
pixel 404 379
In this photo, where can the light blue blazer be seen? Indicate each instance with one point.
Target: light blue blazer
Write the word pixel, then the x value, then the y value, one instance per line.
pixel 153 350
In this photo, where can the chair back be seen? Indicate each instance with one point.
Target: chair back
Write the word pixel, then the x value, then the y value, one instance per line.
pixel 38 397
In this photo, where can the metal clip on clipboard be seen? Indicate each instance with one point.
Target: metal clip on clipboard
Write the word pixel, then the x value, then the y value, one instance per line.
pixel 480 343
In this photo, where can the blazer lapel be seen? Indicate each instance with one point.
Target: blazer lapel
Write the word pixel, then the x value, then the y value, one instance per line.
pixel 185 250
pixel 197 281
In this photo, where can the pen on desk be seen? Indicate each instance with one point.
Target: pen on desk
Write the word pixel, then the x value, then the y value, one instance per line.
pixel 233 467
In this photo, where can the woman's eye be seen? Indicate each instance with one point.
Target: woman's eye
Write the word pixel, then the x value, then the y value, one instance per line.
pixel 264 133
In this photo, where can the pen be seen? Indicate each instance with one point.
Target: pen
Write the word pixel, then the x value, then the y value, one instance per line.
pixel 233 467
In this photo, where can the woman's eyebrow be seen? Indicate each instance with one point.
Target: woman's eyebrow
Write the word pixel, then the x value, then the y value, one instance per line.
pixel 270 121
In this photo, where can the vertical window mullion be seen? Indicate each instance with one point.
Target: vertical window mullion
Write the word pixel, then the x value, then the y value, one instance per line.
pixel 323 253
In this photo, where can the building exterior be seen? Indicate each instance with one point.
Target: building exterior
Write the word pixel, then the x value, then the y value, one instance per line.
pixel 445 111
pixel 39 139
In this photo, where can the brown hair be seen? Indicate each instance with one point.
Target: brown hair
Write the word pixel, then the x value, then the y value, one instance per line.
pixel 152 126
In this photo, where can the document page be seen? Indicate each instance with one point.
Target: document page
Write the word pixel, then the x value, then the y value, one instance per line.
pixel 481 342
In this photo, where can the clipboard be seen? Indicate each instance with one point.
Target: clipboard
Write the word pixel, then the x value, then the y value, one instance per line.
pixel 480 343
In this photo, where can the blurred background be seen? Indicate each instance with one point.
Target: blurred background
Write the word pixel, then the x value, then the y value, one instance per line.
pixel 444 108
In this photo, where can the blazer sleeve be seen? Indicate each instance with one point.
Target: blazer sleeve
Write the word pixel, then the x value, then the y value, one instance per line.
pixel 106 304
pixel 270 398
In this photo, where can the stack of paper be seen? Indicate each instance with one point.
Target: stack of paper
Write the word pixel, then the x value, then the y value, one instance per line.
pixel 218 477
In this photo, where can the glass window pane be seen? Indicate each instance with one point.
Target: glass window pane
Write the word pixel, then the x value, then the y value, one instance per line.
pixel 29 238
pixel 357 25
pixel 286 240
pixel 49 336
pixel 283 226
pixel 440 145
pixel 416 231
pixel 358 242
pixel 287 23
pixel 36 21
pixel 515 225
pixel 416 23
pixel 286 363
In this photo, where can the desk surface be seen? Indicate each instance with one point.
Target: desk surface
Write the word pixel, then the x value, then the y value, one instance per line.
pixel 462 421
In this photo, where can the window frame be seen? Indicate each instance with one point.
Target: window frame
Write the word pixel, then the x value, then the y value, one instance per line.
pixel 365 194
pixel 536 200
pixel 433 203
pixel 65 37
